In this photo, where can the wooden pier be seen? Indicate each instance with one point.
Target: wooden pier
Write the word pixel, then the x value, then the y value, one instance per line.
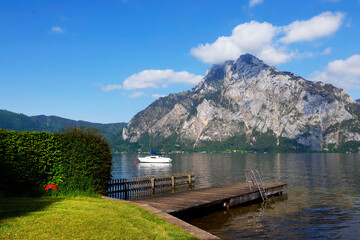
pixel 193 202
pixel 180 206
pixel 183 204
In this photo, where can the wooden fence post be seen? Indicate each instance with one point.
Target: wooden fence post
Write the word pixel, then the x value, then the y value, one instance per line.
pixel 126 189
pixel 172 182
pixel 152 180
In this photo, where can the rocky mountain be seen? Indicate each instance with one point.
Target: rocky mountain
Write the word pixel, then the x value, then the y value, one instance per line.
pixel 250 105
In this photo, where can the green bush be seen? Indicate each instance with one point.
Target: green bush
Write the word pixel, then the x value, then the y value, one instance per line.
pixel 26 160
pixel 78 160
pixel 86 155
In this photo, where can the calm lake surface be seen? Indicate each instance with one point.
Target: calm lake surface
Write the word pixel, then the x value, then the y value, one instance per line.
pixel 322 199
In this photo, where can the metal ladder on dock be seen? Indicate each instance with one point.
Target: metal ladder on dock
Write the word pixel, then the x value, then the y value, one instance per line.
pixel 253 178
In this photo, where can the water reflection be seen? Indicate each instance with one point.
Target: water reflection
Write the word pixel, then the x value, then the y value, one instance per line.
pixel 150 169
pixel 322 200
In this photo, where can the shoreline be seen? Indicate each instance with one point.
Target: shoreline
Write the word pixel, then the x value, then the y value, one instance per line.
pixel 171 219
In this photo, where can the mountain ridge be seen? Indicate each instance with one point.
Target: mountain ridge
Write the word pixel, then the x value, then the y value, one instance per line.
pixel 47 123
pixel 21 122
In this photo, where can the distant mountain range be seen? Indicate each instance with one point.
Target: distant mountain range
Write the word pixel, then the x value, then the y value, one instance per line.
pixel 248 105
pixel 20 122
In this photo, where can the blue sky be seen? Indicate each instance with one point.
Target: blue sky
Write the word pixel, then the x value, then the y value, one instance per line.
pixel 104 61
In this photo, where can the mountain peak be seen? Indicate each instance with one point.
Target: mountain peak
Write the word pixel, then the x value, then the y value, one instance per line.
pixel 249 59
pixel 249 65
pixel 246 66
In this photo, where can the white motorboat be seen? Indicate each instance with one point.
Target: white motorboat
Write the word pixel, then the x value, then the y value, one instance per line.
pixel 154 159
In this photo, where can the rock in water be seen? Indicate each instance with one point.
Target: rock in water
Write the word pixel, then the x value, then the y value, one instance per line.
pixel 249 99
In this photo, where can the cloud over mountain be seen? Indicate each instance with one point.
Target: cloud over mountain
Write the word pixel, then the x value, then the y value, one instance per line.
pixel 269 42
pixel 246 37
pixel 342 73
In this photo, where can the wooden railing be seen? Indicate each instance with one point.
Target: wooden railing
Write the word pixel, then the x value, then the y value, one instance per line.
pixel 139 187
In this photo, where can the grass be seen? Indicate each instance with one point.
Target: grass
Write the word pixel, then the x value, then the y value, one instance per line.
pixel 81 218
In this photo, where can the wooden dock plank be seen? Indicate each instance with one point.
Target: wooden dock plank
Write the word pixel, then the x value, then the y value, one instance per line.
pixel 231 194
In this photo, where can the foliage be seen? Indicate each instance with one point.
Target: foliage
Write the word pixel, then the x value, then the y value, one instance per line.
pixel 78 160
pixel 86 157
pixel 257 142
pixel 264 142
pixel 290 145
pixel 161 144
pixel 351 125
pixel 26 160
pixel 120 145
pixel 52 124
pixel 229 144
pixel 343 147
pixel 350 146
pixel 81 218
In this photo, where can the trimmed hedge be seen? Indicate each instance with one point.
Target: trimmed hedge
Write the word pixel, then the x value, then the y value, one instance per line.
pixel 87 160
pixel 78 161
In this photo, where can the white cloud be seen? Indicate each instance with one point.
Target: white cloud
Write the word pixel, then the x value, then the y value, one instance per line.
pixel 56 29
pixel 155 79
pixel 319 26
pixel 271 55
pixel 341 73
pixel 111 87
pixel 266 41
pixel 137 94
pixel 157 96
pixel 327 51
pixel 251 37
pixel 252 3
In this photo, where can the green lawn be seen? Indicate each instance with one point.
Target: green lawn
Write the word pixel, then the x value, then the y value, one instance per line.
pixel 81 218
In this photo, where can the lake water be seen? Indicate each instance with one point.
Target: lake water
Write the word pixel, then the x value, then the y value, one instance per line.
pixel 322 199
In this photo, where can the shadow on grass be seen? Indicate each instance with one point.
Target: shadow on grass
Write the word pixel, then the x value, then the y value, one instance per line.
pixel 21 206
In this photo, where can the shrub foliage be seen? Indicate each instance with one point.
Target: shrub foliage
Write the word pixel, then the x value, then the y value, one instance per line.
pixel 78 161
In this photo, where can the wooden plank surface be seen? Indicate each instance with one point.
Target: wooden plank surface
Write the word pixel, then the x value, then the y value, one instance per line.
pixel 182 201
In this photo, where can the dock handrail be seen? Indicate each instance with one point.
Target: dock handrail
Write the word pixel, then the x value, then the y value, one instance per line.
pixel 253 178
